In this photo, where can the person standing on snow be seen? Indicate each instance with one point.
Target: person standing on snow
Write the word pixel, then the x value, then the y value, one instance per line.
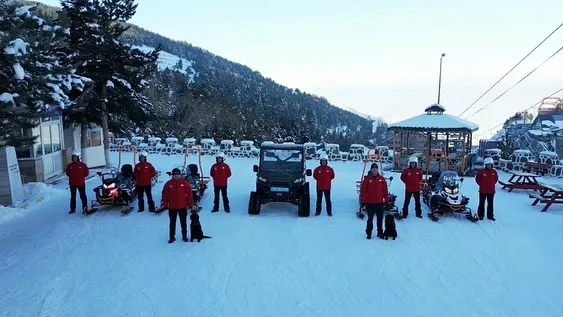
pixel 373 196
pixel 143 173
pixel 412 176
pixel 324 175
pixel 220 172
pixel 486 178
pixel 77 173
pixel 177 198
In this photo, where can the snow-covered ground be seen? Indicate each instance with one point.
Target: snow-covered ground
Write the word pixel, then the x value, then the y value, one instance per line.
pixel 276 264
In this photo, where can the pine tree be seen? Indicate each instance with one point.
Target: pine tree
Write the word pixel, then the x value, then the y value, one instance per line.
pixel 34 77
pixel 118 70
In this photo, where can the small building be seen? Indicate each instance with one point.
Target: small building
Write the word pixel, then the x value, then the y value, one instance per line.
pixel 45 159
pixel 93 154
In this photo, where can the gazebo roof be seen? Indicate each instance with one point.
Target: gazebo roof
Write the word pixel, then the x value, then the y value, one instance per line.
pixel 434 120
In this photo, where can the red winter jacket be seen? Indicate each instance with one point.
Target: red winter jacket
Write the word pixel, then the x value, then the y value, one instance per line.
pixel 412 177
pixel 324 176
pixel 76 172
pixel 374 190
pixel 220 172
pixel 177 194
pixel 486 178
pixel 143 173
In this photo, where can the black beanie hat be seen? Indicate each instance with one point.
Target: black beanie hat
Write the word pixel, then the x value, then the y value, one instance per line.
pixel 176 171
pixel 374 165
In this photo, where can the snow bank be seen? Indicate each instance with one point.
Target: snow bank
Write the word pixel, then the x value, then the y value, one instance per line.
pixel 19 72
pixel 34 193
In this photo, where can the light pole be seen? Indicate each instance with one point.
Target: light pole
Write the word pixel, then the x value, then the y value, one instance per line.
pixel 440 77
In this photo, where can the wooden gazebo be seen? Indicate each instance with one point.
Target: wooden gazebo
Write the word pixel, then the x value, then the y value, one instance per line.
pixel 441 141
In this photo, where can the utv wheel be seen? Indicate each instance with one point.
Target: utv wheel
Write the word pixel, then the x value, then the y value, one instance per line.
pixel 304 208
pixel 254 204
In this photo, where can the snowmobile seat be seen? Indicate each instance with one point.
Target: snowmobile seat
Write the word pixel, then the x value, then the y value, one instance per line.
pixel 193 170
pixel 126 175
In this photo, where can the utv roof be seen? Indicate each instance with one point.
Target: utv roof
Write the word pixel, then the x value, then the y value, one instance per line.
pixel 282 146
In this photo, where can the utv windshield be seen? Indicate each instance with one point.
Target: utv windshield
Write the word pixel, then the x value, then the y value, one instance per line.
pixel 281 160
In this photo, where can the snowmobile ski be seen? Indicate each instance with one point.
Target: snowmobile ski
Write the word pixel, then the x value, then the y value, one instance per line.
pixel 126 210
pixel 89 211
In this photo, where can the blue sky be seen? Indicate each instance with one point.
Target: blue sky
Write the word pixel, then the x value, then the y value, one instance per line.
pixel 380 57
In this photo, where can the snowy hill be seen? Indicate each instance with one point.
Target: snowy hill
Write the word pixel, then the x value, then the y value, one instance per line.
pixel 276 264
pixel 172 62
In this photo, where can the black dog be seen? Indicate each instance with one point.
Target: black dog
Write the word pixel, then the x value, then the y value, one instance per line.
pixel 390 228
pixel 195 228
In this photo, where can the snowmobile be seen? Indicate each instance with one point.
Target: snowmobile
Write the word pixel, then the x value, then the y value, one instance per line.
pixel 390 206
pixel 117 189
pixel 444 196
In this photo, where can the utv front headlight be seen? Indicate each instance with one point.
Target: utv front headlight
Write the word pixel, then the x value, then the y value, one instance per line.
pixel 299 180
pixel 262 179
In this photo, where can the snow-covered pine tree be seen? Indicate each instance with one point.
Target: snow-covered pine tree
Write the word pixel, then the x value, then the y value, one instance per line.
pixel 34 78
pixel 118 71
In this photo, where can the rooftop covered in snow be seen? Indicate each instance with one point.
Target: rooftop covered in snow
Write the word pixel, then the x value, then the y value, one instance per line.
pixel 434 120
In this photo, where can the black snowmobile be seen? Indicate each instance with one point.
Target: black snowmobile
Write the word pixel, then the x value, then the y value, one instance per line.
pixel 117 189
pixel 443 196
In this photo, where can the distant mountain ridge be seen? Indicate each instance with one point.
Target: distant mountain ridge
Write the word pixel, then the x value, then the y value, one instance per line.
pixel 198 94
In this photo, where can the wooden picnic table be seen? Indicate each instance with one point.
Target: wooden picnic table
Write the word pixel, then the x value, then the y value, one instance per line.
pixel 520 180
pixel 549 194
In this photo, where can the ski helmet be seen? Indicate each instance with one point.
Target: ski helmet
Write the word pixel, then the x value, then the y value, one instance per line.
pixel 220 155
pixel 76 153
pixel 488 160
pixel 413 159
pixel 323 157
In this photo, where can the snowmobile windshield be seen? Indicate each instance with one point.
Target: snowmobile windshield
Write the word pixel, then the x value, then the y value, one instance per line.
pixel 282 160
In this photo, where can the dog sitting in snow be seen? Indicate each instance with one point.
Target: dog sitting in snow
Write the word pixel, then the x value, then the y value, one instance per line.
pixel 195 228
pixel 390 228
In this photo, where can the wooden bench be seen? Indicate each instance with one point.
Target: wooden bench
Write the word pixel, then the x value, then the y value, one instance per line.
pixel 539 198
pixel 537 168
pixel 556 196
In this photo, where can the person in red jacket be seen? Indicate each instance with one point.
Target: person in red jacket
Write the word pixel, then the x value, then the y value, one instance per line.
pixel 324 175
pixel 143 173
pixel 220 172
pixel 177 198
pixel 77 173
pixel 486 179
pixel 412 176
pixel 373 196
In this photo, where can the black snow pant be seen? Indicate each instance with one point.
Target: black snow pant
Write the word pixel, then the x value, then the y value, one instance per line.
pixel 83 198
pixel 417 207
pixel 223 190
pixel 320 194
pixel 377 210
pixel 481 208
pixel 173 214
pixel 147 190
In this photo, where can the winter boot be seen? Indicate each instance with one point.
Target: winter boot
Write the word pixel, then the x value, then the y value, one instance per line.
pixel 185 239
pixel 380 235
pixel 171 240
pixel 71 212
pixel 491 218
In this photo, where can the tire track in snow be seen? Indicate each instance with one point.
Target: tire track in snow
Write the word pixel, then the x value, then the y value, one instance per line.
pixel 227 281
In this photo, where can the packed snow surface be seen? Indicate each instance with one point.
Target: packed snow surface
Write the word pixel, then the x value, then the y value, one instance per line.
pixel 276 264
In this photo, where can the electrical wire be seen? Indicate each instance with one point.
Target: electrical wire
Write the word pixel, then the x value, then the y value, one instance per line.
pixel 517 83
pixel 498 81
pixel 530 107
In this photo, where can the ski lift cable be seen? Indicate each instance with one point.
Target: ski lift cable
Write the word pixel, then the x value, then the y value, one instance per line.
pixel 530 107
pixel 513 67
pixel 517 83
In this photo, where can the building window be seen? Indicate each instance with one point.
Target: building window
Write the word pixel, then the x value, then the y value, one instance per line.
pixel 46 138
pixel 94 138
pixel 55 137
